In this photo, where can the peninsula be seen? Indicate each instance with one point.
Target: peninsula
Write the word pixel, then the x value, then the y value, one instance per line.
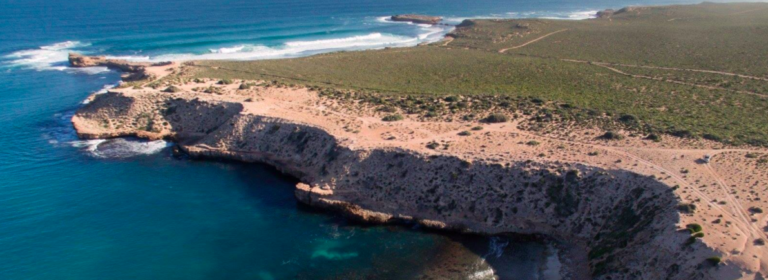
pixel 636 139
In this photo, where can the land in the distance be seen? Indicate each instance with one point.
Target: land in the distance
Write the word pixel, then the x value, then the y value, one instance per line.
pixel 638 138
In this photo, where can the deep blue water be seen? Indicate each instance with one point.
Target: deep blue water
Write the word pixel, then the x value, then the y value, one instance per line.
pixel 121 209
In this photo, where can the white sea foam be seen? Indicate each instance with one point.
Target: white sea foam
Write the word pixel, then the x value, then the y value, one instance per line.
pixel 229 50
pixel 482 274
pixel 496 247
pixel 582 15
pixel 50 57
pixel 304 48
pixel 131 58
pixel 577 15
pixel 103 90
pixel 120 148
pixel 389 20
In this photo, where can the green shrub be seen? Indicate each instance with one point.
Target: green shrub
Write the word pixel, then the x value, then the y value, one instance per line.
pixel 752 155
pixel 212 89
pixel 654 137
pixel 496 118
pixel 610 135
pixel 393 118
pixel 477 128
pixel 465 133
pixel 628 119
pixel 244 86
pixel 172 89
pixel 433 145
pixel 533 143
pixel 225 82
pixel 683 134
pixel 694 227
pixel 715 260
pixel 689 241
pixel 755 210
pixel 712 137
pixel 387 109
pixel 698 235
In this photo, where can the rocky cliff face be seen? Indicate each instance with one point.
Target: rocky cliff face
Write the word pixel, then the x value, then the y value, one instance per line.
pixel 134 70
pixel 625 222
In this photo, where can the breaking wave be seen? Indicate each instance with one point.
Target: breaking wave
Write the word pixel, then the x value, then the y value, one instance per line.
pixel 50 57
pixel 294 49
pixel 61 134
pixel 577 15
pixel 120 147
pixel 55 56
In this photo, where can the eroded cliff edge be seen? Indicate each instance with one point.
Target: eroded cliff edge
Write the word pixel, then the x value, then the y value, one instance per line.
pixel 495 181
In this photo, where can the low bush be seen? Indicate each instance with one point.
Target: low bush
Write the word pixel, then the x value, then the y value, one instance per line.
pixel 683 134
pixel 387 109
pixel 628 119
pixel 496 118
pixel 393 118
pixel 654 137
pixel 172 89
pixel 245 86
pixel 433 145
pixel 610 135
pixel 694 227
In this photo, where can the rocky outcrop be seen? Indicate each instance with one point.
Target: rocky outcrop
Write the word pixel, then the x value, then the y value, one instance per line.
pixel 420 19
pixel 630 10
pixel 134 70
pixel 626 222
pixel 605 13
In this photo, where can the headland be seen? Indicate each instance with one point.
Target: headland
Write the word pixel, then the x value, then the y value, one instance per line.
pixel 646 160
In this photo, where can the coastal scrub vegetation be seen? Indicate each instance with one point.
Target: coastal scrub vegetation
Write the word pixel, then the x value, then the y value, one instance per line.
pixel 690 71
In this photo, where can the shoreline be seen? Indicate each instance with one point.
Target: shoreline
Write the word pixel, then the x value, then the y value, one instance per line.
pixel 28 57
pixel 315 196
pixel 335 152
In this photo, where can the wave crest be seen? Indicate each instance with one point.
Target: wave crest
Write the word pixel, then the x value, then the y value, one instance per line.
pixel 293 49
pixel 51 57
pixel 120 148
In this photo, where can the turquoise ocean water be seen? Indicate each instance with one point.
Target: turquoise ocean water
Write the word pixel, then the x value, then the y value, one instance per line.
pixel 126 209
